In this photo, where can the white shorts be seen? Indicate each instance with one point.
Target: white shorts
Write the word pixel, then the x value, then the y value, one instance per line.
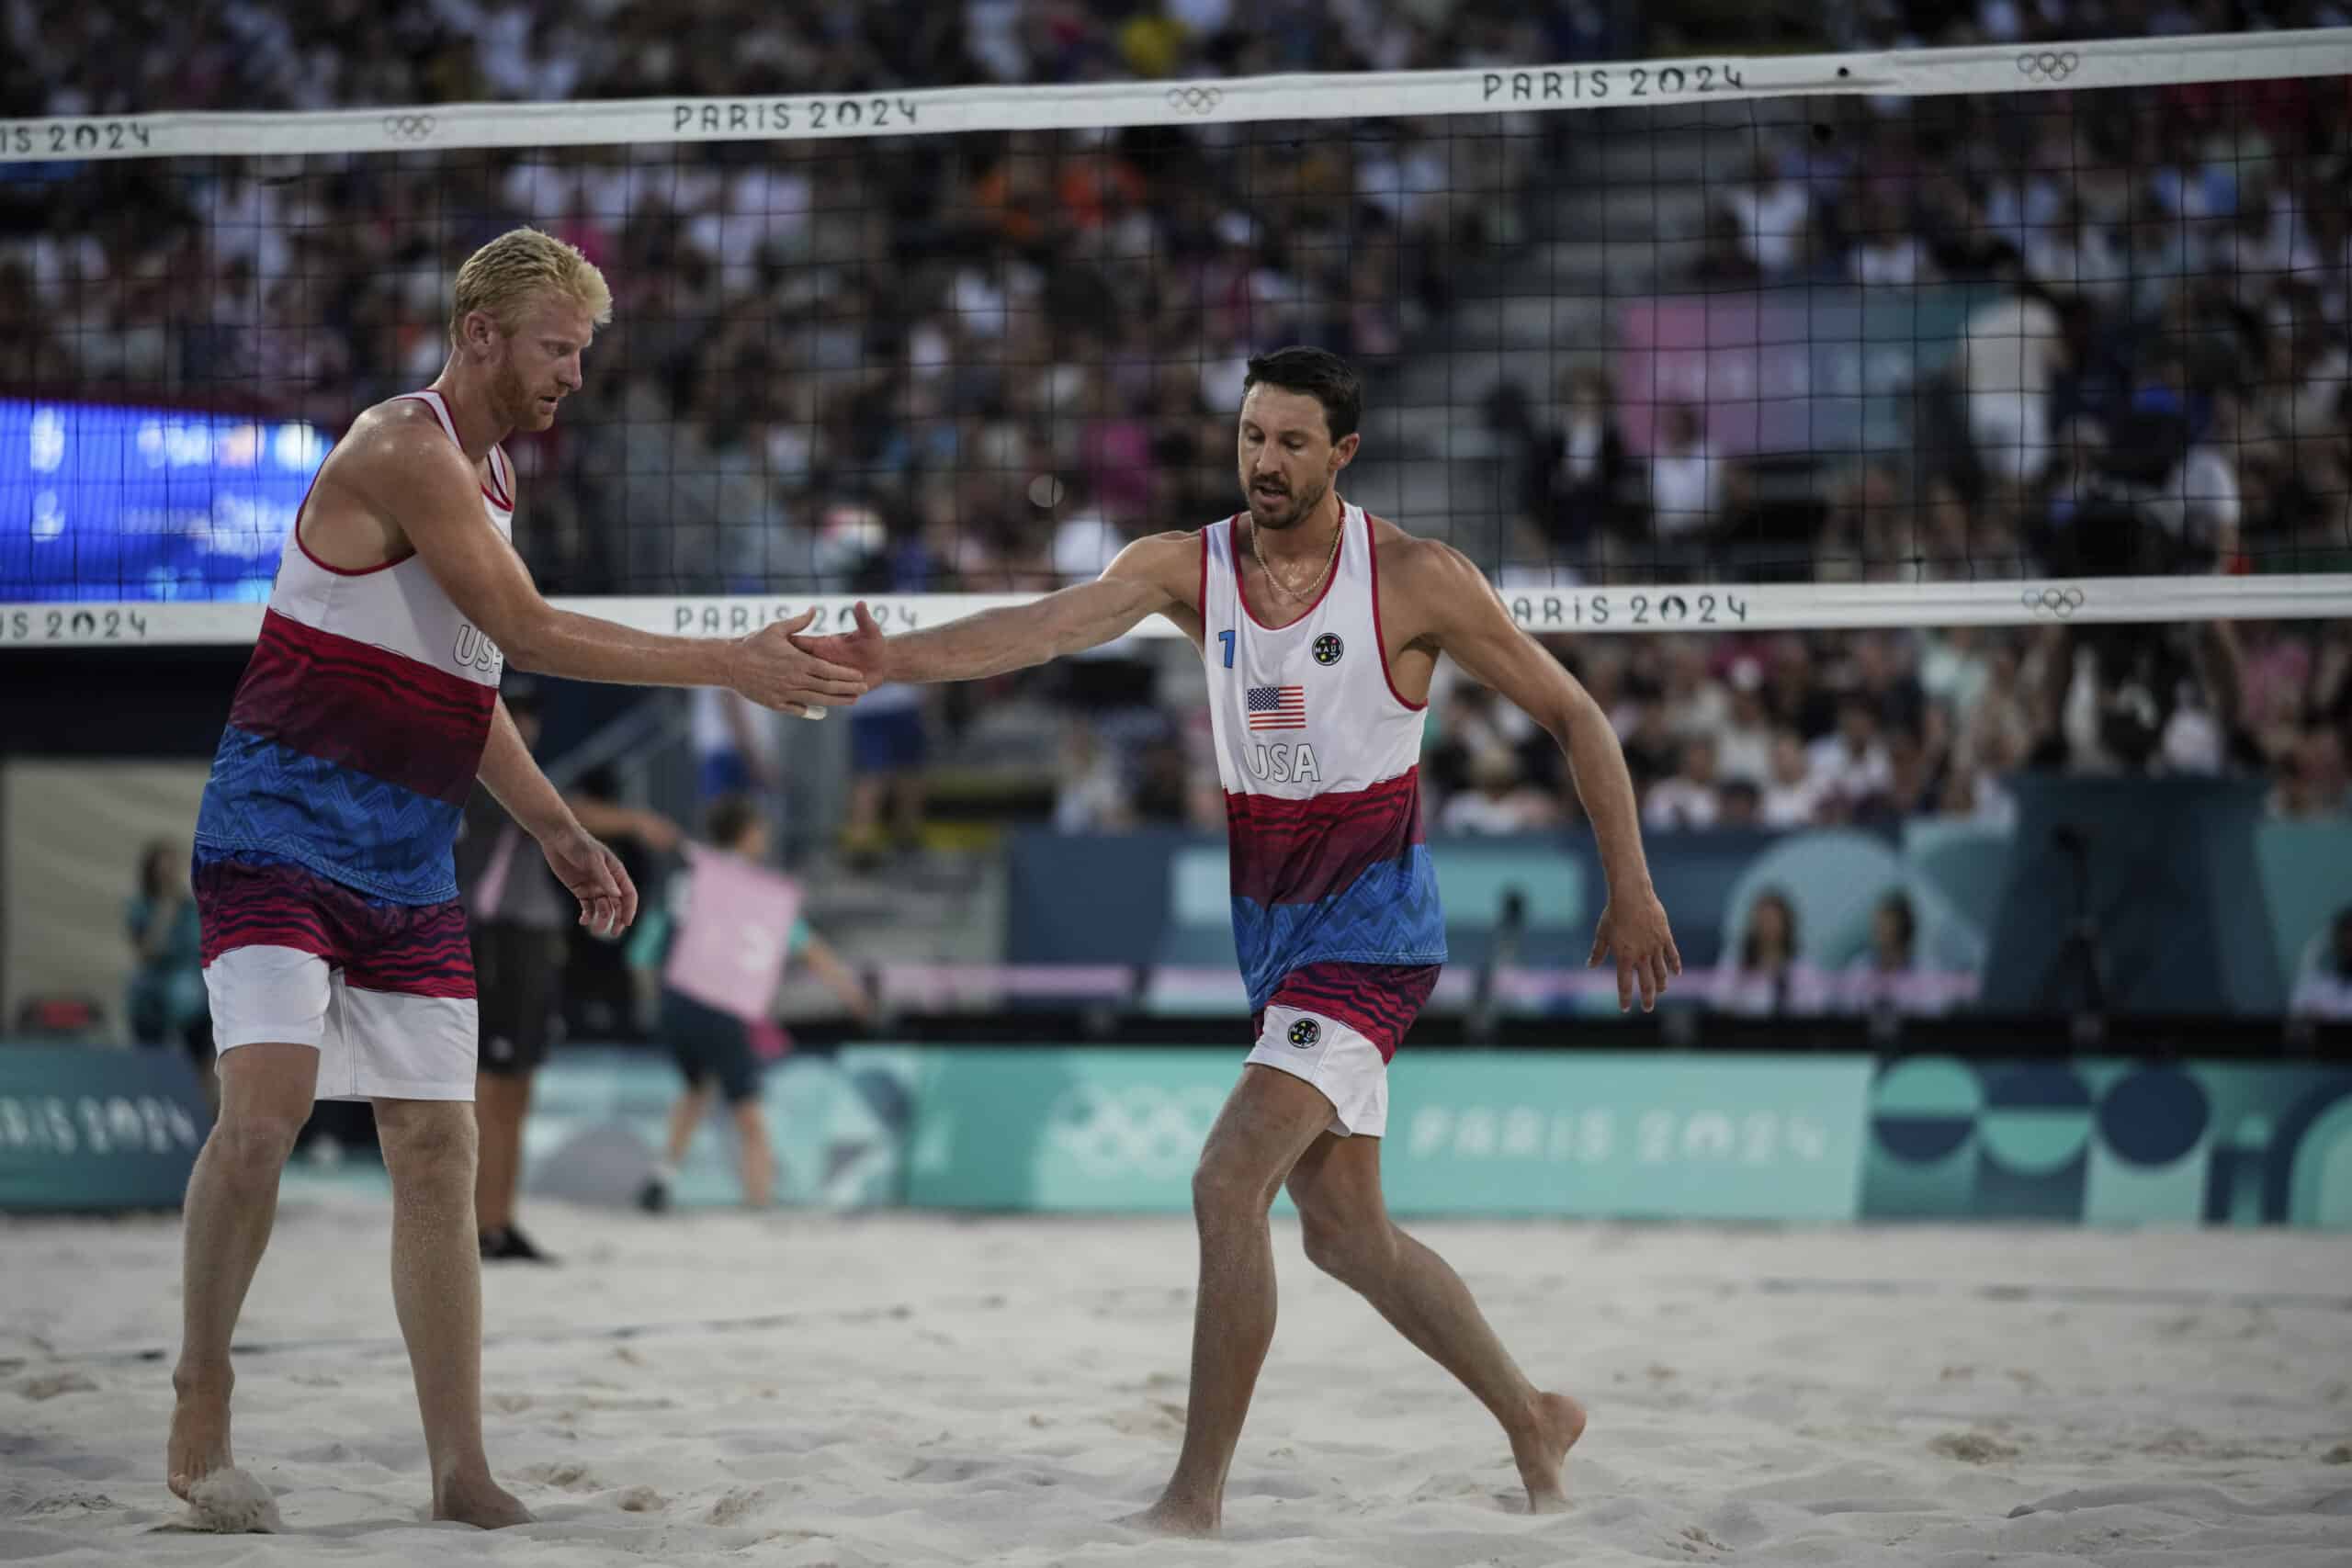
pixel 371 1044
pixel 1336 1059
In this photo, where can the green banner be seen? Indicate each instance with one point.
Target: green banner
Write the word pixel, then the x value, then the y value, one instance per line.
pixel 2111 1142
pixel 1488 1133
pixel 1819 1138
pixel 837 1125
pixel 85 1127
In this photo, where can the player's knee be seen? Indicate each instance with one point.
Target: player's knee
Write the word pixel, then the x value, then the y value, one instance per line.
pixel 1350 1253
pixel 1222 1191
pixel 255 1143
pixel 422 1141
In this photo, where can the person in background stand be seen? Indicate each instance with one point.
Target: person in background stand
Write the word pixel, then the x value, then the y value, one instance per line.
pixel 165 999
pixel 713 1049
pixel 520 917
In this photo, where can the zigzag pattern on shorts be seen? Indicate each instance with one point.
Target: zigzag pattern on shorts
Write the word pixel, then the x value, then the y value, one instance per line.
pixel 415 950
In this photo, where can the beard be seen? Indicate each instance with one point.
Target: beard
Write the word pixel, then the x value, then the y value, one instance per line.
pixel 517 406
pixel 1275 514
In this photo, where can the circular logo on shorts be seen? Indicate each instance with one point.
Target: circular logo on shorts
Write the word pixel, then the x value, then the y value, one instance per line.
pixel 1306 1033
pixel 1328 648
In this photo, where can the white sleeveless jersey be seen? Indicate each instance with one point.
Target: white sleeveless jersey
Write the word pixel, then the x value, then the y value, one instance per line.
pixel 1320 758
pixel 359 725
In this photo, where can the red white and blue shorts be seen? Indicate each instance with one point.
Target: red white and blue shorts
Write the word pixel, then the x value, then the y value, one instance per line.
pixel 1337 1025
pixel 383 992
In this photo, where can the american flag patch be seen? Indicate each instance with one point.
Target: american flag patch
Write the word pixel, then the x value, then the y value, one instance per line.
pixel 1277 708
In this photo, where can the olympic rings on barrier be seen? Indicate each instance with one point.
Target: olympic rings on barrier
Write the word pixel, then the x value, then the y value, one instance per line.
pixel 1194 100
pixel 2058 602
pixel 2050 65
pixel 1134 1132
pixel 409 126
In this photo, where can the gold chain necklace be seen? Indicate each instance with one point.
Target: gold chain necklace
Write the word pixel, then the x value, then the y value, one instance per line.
pixel 1336 534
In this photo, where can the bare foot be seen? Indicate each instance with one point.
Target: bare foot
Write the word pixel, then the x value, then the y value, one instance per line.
pixel 481 1502
pixel 199 1440
pixel 1168 1518
pixel 1544 1448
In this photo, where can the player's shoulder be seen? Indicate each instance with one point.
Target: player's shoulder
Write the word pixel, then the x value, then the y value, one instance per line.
pixel 402 427
pixel 1414 562
pixel 396 439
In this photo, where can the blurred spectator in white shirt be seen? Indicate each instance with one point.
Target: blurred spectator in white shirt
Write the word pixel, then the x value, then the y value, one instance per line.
pixel 1887 978
pixel 1689 798
pixel 1768 979
pixel 1792 795
pixel 1850 764
pixel 1500 800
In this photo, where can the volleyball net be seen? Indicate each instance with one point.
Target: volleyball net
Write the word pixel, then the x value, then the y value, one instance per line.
pixel 1982 336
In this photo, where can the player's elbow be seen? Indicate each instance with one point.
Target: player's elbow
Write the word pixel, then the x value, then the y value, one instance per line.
pixel 524 633
pixel 1573 714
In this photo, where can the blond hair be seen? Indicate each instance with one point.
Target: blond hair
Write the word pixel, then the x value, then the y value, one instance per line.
pixel 503 276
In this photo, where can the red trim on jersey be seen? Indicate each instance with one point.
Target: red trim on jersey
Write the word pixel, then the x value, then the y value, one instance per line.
pixel 1204 605
pixel 1242 589
pixel 499 490
pixel 324 566
pixel 1379 638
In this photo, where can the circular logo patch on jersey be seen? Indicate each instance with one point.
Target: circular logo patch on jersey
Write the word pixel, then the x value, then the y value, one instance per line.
pixel 1306 1033
pixel 1328 648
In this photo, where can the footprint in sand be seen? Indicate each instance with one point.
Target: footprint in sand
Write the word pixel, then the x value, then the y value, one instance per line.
pixel 735 1505
pixel 565 1474
pixel 1972 1448
pixel 49 1385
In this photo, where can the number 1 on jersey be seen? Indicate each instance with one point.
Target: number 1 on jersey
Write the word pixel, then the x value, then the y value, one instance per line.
pixel 1226 638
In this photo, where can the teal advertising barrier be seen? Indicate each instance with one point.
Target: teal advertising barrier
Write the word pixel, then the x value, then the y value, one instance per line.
pixel 85 1127
pixel 837 1125
pixel 1487 1133
pixel 1829 1138
pixel 2109 1142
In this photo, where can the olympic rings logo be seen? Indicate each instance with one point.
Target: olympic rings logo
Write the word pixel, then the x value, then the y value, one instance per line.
pixel 1194 100
pixel 408 127
pixel 1132 1132
pixel 2059 603
pixel 2049 65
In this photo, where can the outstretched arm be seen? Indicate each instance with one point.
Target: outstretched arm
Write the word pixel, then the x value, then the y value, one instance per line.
pixel 422 488
pixel 1156 576
pixel 1465 617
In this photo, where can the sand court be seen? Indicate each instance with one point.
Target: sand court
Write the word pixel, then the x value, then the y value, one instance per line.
pixel 901 1389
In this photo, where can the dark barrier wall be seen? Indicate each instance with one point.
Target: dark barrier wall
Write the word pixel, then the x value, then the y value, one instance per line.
pixel 2165 870
pixel 2181 895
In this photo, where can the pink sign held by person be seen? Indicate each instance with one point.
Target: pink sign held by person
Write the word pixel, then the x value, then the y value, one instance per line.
pixel 734 934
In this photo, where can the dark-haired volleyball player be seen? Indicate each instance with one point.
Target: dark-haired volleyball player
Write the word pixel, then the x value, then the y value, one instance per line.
pixel 1320 626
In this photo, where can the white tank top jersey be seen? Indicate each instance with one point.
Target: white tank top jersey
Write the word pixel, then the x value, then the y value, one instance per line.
pixel 1319 757
pixel 359 725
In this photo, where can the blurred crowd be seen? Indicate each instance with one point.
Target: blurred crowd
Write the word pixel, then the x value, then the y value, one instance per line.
pixel 2127 312
pixel 1796 731
pixel 904 358
pixel 984 362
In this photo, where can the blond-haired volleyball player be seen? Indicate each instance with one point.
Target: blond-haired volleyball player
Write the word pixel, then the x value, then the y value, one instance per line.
pixel 1320 626
pixel 334 945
